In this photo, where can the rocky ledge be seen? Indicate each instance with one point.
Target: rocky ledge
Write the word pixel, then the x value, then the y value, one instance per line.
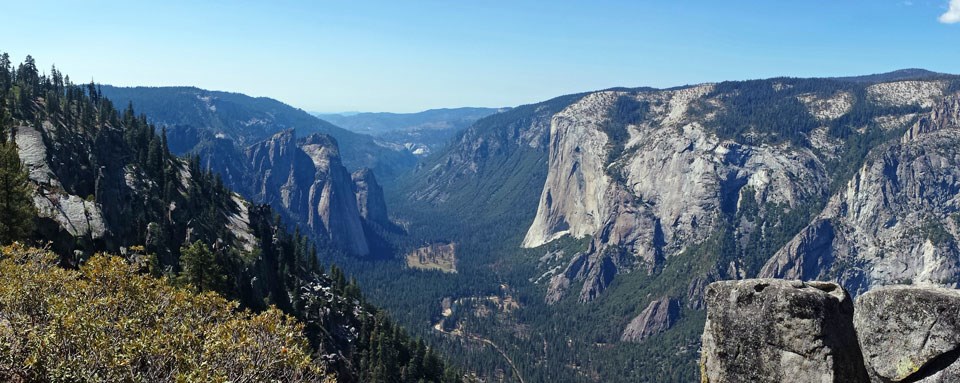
pixel 772 330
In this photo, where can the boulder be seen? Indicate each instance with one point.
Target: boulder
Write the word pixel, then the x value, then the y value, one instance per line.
pixel 910 333
pixel 769 330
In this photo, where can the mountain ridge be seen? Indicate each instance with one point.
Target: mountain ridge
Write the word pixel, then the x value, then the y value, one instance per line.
pixel 691 185
pixel 194 116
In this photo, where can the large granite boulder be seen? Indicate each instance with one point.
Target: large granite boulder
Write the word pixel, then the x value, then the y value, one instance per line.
pixel 910 333
pixel 769 330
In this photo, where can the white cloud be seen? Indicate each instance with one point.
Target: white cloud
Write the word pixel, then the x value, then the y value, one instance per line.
pixel 952 16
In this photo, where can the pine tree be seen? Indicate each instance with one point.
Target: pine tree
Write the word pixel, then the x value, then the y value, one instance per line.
pixel 16 205
pixel 201 268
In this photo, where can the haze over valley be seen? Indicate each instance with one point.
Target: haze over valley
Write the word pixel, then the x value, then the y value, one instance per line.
pixel 615 192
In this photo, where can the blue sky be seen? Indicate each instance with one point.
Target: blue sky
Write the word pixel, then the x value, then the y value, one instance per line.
pixel 407 56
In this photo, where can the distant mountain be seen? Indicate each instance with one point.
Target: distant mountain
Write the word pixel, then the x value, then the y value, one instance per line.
pixel 420 133
pixel 380 123
pixel 194 117
pixel 897 75
pixel 301 170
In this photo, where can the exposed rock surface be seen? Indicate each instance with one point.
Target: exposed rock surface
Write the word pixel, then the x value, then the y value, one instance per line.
pixel 658 317
pixel 768 330
pixel 910 334
pixel 370 199
pixel 674 184
pixel 895 221
pixel 88 193
pixel 197 119
pixel 673 180
pixel 311 186
pixel 77 216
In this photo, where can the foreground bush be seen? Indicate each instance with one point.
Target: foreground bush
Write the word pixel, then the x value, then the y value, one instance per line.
pixel 106 322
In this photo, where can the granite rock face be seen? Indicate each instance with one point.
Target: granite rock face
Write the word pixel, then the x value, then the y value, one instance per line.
pixel 670 178
pixel 674 183
pixel 895 221
pixel 306 180
pixel 75 215
pixel 769 330
pixel 370 199
pixel 658 317
pixel 910 333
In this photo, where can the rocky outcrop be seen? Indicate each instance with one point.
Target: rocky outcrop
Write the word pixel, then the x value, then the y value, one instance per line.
pixel 370 200
pixel 309 184
pixel 658 317
pixel 572 201
pixel 768 330
pixel 672 185
pixel 672 176
pixel 817 238
pixel 282 174
pixel 76 216
pixel 910 334
pixel 331 199
pixel 895 221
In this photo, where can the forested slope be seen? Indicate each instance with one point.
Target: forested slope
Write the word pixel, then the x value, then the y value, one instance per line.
pixel 101 178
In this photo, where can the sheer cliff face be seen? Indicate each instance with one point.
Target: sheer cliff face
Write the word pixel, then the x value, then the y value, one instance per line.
pixel 673 184
pixel 370 199
pixel 573 200
pixel 896 221
pixel 673 180
pixel 307 182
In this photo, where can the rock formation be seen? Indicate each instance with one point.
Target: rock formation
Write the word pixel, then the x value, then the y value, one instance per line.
pixel 307 182
pixel 646 174
pixel 370 199
pixel 75 215
pixel 673 184
pixel 910 334
pixel 894 220
pixel 768 330
pixel 771 330
pixel 658 317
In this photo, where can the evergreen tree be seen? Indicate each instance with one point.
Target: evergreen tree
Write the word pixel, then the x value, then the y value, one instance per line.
pixel 201 268
pixel 16 206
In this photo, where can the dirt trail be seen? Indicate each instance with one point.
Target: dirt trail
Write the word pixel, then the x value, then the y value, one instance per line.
pixel 516 371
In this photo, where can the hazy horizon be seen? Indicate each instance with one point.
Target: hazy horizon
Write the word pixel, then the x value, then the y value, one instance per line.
pixel 378 56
